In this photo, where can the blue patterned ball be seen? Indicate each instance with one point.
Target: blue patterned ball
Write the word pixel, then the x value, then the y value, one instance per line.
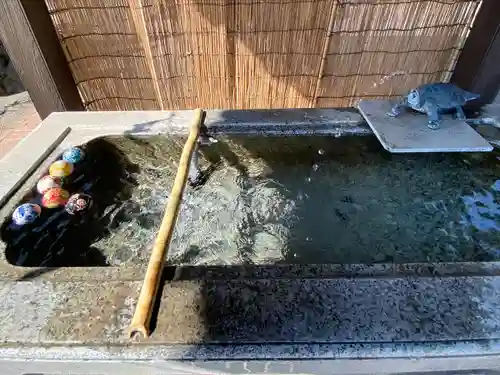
pixel 26 213
pixel 73 155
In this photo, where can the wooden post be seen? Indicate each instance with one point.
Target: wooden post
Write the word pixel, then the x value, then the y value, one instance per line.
pixel 29 37
pixel 478 67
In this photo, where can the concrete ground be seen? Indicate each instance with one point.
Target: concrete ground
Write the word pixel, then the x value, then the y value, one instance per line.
pixel 18 117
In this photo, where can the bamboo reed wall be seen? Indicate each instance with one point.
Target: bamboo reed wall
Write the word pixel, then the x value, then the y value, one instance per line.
pixel 177 54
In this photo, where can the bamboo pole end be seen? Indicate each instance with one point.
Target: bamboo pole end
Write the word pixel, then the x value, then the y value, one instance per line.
pixel 137 331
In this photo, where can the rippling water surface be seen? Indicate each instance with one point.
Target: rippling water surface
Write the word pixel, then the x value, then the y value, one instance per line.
pixel 289 200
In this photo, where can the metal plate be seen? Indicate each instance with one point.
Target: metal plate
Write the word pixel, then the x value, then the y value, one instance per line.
pixel 409 132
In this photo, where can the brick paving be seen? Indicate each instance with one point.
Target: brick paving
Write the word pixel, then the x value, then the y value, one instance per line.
pixel 18 117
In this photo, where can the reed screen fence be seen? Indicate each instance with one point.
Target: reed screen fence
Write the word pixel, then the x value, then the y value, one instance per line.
pixel 241 54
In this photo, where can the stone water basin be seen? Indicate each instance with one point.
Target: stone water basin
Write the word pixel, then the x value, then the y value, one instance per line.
pixel 267 199
pixel 303 221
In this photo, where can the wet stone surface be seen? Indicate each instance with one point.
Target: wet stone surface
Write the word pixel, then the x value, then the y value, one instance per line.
pixel 258 311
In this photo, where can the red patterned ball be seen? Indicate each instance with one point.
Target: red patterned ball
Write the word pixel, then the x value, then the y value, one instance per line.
pixel 55 197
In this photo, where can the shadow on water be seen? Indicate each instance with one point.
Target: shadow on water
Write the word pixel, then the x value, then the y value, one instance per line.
pixel 355 203
pixel 57 239
pixel 270 306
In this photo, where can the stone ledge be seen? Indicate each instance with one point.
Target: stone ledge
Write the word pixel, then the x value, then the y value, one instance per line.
pixel 264 312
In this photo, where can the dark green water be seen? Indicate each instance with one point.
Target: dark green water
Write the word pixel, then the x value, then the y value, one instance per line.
pixel 298 200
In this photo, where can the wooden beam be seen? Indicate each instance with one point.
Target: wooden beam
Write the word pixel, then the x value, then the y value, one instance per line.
pixel 478 67
pixel 29 37
pixel 326 46
pixel 137 10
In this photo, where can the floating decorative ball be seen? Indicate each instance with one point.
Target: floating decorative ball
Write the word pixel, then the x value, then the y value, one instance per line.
pixel 74 155
pixel 55 197
pixel 78 204
pixel 60 168
pixel 46 183
pixel 26 213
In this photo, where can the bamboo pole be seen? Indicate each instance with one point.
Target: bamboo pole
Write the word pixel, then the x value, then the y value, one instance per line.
pixel 141 319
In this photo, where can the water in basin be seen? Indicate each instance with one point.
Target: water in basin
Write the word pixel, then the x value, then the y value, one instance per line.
pixel 267 200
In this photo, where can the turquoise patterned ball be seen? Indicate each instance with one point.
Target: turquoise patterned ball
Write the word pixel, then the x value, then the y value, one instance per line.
pixel 73 155
pixel 26 213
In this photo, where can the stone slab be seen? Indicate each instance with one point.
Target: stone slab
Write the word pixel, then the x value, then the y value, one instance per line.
pixel 288 121
pixel 323 361
pixel 409 133
pixel 271 319
pixel 267 311
pixel 10 101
